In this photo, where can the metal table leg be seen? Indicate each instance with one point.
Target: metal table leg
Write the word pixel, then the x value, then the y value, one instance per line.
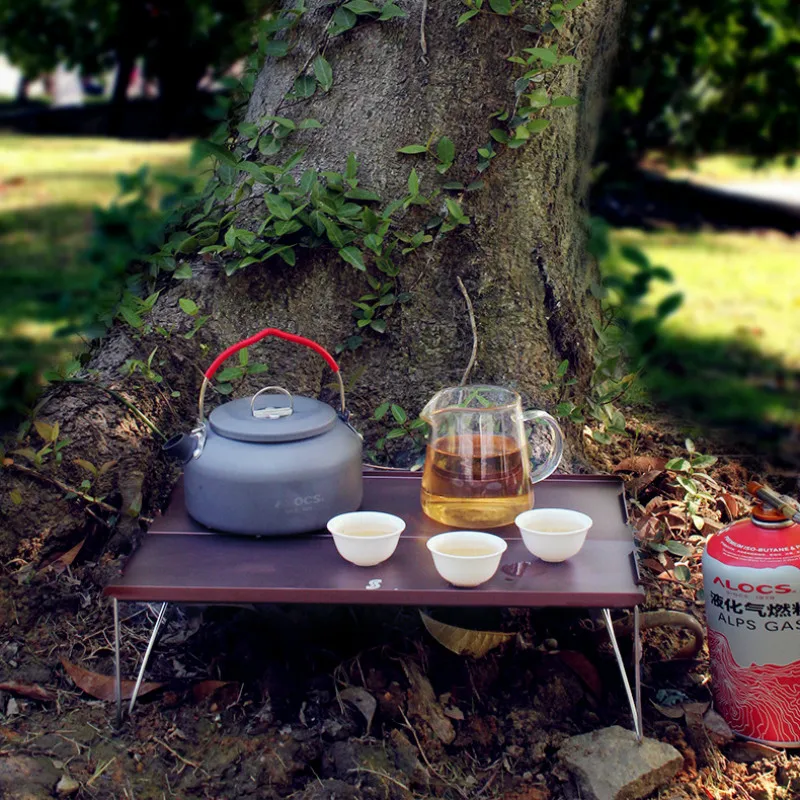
pixel 634 706
pixel 637 667
pixel 117 673
pixel 150 644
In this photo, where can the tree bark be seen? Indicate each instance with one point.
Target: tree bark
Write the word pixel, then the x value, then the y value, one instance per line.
pixel 522 260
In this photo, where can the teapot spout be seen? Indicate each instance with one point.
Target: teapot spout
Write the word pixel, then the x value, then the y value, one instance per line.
pixel 180 447
pixel 432 406
pixel 186 446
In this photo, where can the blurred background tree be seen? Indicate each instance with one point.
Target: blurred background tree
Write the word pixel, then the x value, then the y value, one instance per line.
pixel 705 76
pixel 179 41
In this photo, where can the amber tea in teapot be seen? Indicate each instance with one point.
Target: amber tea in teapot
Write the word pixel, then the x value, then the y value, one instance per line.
pixel 477 470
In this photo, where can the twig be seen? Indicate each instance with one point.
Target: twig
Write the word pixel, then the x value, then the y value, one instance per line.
pixel 87 498
pixel 474 327
pixel 422 43
pixel 117 396
pixel 98 772
pixel 381 775
pixel 176 754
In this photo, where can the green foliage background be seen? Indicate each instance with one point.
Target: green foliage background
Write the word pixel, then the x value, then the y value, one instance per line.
pixel 702 76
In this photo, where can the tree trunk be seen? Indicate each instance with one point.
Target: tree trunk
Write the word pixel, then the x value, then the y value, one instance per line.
pixel 522 259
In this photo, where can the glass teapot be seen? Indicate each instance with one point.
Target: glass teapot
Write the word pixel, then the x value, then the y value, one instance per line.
pixel 478 465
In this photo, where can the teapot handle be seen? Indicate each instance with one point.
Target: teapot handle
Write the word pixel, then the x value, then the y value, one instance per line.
pixel 549 466
pixel 290 337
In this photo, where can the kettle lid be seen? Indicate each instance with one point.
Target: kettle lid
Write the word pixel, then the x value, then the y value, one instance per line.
pixel 268 418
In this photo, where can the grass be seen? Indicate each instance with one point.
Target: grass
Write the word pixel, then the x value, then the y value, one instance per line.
pixel 48 188
pixel 727 168
pixel 731 353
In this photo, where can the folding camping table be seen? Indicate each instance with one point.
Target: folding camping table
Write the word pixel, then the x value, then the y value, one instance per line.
pixel 180 561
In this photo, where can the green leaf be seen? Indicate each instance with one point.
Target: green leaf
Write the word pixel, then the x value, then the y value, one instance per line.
pixel 543 54
pixel 539 98
pixel 399 414
pixel 677 465
pixel 334 232
pixel 309 123
pixel 378 325
pixel 683 573
pixel 413 148
pixel 569 5
pixel 564 60
pixel 687 484
pixel 499 135
pixel 396 433
pixel 323 73
pixel 700 462
pixel 390 11
pixel 537 125
pixel 352 167
pixel 342 20
pixel 446 150
pixel 678 548
pixel 669 305
pixel 16 497
pixel 352 255
pixel 561 371
pixel 278 206
pixel 413 183
pixel 188 306
pixel 501 6
pixel 361 194
pixel 381 411
pixel 601 438
pixel 565 100
pixel 689 445
pixel 362 7
pixel 184 272
pixel 304 86
pixel 130 316
pixel 217 151
pixel 277 48
pixel 373 242
pixel 229 374
pixel 467 16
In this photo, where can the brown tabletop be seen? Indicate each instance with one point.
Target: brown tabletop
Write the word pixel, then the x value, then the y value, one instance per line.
pixel 181 561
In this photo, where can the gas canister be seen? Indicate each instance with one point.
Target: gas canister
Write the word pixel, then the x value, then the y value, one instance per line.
pixel 751 575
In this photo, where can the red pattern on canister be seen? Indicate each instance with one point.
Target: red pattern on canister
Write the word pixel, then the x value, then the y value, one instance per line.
pixel 751 572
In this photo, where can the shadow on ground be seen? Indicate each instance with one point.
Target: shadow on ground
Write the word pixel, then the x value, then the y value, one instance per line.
pixel 731 385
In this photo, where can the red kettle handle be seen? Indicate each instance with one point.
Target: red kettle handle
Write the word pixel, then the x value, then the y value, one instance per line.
pixel 290 337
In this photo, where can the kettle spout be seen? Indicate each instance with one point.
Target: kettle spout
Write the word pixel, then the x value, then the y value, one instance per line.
pixel 184 446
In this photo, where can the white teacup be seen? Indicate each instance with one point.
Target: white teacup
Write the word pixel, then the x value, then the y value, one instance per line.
pixel 366 538
pixel 466 558
pixel 553 534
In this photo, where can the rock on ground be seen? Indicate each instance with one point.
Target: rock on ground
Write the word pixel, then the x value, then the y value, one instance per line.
pixel 610 765
pixel 25 778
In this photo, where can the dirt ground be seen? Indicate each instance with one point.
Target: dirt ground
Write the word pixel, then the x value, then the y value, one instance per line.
pixel 342 702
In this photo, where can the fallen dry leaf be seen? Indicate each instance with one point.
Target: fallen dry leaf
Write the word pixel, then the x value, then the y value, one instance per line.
pixel 653 564
pixel 205 689
pixel 462 641
pixel 31 691
pixel 718 730
pixel 636 485
pixel 748 752
pixel 102 686
pixel 641 464
pixel 60 561
pixel 454 713
pixel 728 506
pixel 584 669
pixel 362 700
pixel 672 712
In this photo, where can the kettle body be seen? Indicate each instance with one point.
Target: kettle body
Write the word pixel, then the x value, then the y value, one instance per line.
pixel 271 464
pixel 275 488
